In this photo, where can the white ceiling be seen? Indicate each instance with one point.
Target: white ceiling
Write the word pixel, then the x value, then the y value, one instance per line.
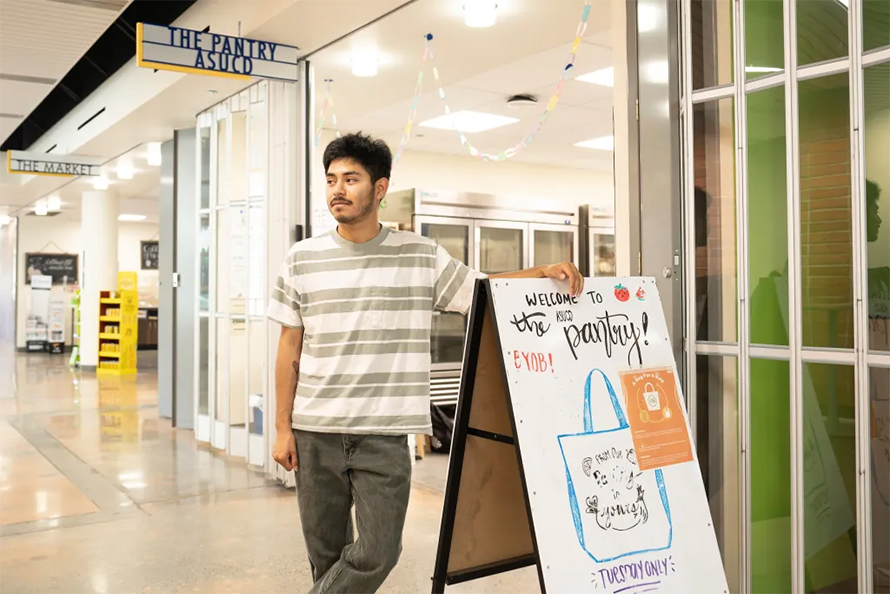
pixel 524 53
pixel 138 195
pixel 40 40
pixel 154 116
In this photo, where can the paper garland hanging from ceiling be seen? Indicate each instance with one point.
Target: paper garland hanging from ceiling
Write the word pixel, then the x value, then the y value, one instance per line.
pixel 429 56
pixel 327 105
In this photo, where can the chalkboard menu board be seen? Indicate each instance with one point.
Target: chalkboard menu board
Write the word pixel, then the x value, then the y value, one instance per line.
pixel 61 267
pixel 149 255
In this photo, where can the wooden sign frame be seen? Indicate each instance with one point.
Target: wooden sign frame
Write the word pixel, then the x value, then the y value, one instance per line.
pixel 485 528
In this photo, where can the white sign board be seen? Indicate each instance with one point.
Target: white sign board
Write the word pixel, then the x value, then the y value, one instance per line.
pixel 48 164
pixel 614 486
pixel 196 52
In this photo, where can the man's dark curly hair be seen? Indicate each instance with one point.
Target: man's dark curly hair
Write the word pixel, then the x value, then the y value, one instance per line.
pixel 372 154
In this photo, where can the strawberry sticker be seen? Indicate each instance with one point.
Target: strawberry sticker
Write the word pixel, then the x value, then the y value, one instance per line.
pixel 621 293
pixel 641 294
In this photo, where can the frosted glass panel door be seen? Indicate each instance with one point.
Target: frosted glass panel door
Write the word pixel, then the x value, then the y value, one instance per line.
pixel 787 269
pixel 232 335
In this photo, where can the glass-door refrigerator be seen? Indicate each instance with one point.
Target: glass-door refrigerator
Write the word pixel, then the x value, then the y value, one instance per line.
pixel 552 244
pixel 448 329
pixel 455 235
pixel 501 246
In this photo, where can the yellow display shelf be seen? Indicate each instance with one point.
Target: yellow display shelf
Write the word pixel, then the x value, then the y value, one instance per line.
pixel 124 305
pixel 103 371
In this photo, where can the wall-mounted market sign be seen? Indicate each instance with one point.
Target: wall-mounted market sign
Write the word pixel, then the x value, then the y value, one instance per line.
pixel 198 52
pixel 48 164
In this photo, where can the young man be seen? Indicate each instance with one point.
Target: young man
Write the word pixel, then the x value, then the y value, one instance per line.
pixel 352 372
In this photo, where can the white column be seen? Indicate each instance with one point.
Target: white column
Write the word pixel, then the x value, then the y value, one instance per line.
pixel 99 230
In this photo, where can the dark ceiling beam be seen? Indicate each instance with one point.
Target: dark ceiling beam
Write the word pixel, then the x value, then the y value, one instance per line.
pixel 114 48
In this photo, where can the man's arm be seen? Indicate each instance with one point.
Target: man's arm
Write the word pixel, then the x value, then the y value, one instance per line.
pixel 287 373
pixel 563 271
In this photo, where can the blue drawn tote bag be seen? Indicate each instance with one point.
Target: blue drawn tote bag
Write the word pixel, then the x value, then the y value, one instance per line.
pixel 617 509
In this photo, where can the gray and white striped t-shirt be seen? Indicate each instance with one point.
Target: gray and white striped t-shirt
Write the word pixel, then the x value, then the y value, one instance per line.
pixel 366 312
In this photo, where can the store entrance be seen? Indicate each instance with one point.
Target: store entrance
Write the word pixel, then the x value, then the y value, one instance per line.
pixel 500 157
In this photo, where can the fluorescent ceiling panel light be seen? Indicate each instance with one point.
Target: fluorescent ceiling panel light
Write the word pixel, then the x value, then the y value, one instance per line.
pixel 657 72
pixel 604 77
pixel 480 13
pixel 40 208
pixel 54 204
pixel 761 69
pixel 468 121
pixel 604 143
pixel 364 61
pixel 154 154
pixel 648 18
pixel 125 169
pixel 100 183
pixel 131 217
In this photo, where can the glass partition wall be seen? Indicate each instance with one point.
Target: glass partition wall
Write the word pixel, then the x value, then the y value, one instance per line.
pixel 785 113
pixel 232 382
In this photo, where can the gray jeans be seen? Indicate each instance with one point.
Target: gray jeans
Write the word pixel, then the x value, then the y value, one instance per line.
pixel 335 472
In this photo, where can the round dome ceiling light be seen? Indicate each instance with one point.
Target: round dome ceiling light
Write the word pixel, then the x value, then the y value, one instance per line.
pixel 519 101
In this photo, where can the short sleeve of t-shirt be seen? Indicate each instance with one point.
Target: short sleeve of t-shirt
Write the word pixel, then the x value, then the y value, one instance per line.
pixel 284 300
pixel 455 282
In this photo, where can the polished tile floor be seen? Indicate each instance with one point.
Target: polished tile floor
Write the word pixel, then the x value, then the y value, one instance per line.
pixel 99 494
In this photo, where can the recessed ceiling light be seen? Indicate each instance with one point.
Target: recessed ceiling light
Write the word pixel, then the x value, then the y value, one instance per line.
pixel 365 61
pixel 468 121
pixel 603 143
pixel 54 204
pixel 154 154
pixel 40 208
pixel 480 13
pixel 517 101
pixel 131 217
pixel 100 183
pixel 648 18
pixel 125 169
pixel 604 77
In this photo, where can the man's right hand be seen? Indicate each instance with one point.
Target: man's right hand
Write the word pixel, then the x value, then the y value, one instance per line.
pixel 285 450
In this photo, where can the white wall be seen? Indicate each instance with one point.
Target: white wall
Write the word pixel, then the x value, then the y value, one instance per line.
pixel 450 172
pixel 47 234
pixel 436 171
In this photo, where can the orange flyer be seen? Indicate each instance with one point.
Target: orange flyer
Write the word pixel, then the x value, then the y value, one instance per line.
pixel 656 418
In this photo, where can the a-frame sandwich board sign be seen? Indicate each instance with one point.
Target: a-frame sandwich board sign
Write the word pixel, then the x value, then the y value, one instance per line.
pixel 486 521
pixel 571 449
